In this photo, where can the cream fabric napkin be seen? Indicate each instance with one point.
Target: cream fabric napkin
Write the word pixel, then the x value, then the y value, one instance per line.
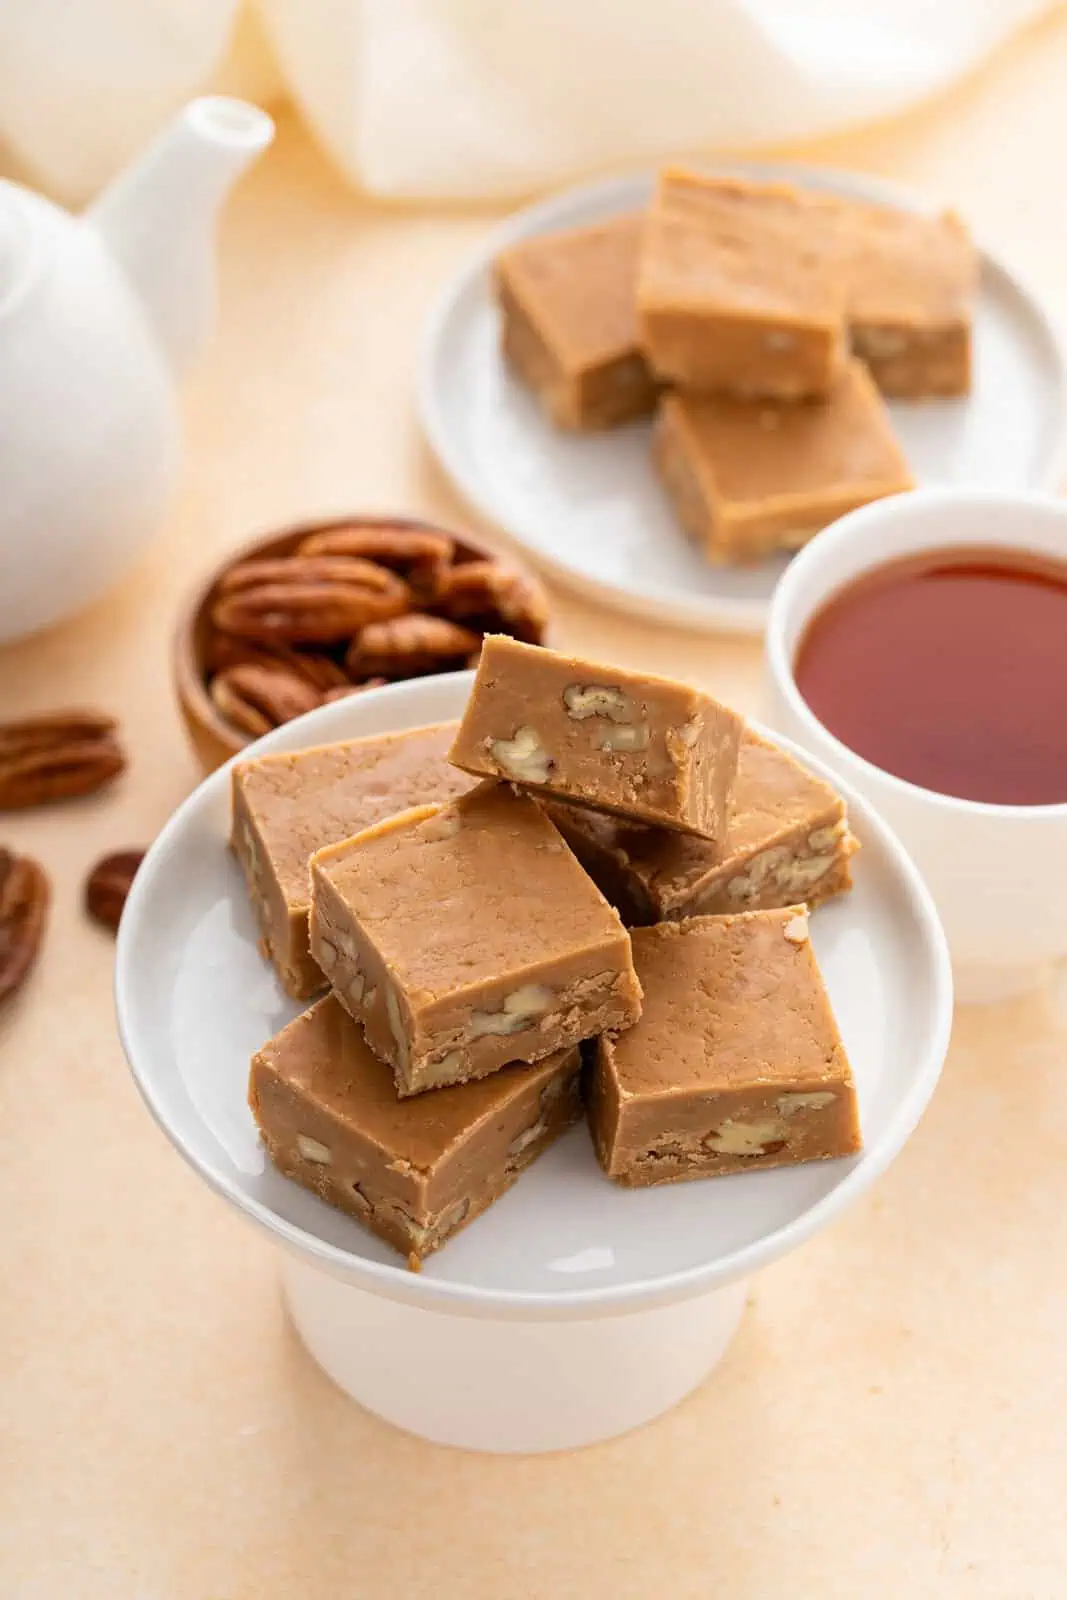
pixel 477 98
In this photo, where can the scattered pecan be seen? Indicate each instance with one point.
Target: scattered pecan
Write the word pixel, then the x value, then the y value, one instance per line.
pixel 56 757
pixel 257 699
pixel 306 599
pixel 418 554
pixel 222 650
pixel 493 599
pixel 108 885
pixel 408 646
pixel 24 896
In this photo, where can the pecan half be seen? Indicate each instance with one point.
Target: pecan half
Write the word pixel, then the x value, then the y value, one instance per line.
pixel 493 599
pixel 56 757
pixel 222 650
pixel 408 646
pixel 306 599
pixel 24 896
pixel 108 885
pixel 257 699
pixel 419 555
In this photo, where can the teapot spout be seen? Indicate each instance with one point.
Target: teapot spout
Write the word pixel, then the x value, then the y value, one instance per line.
pixel 158 218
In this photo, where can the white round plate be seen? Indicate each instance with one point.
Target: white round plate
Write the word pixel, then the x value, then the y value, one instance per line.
pixel 590 510
pixel 195 1000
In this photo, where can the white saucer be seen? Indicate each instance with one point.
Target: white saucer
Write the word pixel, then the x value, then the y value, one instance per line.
pixel 590 511
pixel 195 1000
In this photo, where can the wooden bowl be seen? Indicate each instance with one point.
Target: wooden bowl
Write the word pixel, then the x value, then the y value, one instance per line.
pixel 215 739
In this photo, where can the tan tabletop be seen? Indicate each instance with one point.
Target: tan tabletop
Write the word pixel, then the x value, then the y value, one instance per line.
pixel 890 1420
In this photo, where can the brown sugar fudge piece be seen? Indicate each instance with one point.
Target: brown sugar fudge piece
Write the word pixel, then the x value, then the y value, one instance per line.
pixel 912 281
pixel 414 1171
pixel 569 323
pixel 285 807
pixel 622 741
pixel 746 480
pixel 787 840
pixel 467 936
pixel 740 288
pixel 736 1063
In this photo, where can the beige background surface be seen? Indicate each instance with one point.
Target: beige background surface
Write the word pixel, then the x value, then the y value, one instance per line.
pixel 890 1419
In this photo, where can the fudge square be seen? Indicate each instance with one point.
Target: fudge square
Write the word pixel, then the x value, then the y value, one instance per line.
pixel 736 1062
pixel 286 807
pixel 569 323
pixel 787 840
pixel 414 1171
pixel 745 480
pixel 912 281
pixel 620 741
pixel 740 288
pixel 466 936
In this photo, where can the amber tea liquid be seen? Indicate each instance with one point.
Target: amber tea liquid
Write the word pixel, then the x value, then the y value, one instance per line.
pixel 949 669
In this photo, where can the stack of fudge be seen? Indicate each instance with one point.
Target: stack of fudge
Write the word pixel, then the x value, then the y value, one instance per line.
pixel 761 323
pixel 594 864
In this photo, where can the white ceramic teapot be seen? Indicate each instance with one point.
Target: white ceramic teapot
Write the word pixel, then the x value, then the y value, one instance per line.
pixel 98 317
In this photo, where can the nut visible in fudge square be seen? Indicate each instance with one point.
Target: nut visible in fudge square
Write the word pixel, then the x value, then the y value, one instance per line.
pixel 413 1171
pixel 787 840
pixel 569 323
pixel 736 1063
pixel 741 288
pixel 285 807
pixel 467 936
pixel 627 742
pixel 746 480
pixel 912 281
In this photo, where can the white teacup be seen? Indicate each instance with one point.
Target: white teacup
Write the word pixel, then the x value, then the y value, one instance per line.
pixel 997 872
